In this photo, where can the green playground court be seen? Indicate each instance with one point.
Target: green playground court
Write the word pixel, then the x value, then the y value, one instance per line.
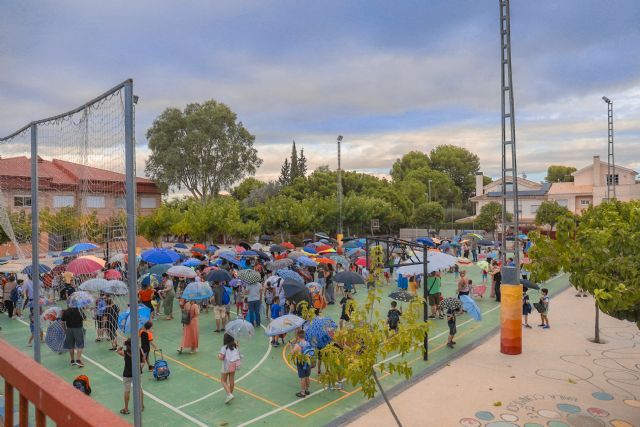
pixel 265 385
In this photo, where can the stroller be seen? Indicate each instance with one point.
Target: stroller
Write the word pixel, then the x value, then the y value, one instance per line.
pixel 160 367
pixel 478 290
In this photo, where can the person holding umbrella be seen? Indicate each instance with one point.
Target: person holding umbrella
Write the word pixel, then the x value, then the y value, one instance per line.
pixel 347 306
pixel 74 334
pixel 168 294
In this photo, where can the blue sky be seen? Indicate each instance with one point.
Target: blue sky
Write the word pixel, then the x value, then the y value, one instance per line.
pixel 390 76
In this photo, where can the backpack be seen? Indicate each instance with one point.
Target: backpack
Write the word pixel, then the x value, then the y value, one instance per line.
pixel 309 354
pixel 226 299
pixel 15 295
pixel 81 382
pixel 186 317
pixel 394 318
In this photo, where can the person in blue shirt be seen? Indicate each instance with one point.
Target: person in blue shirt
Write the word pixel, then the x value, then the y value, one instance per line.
pixel 101 307
pixel 276 311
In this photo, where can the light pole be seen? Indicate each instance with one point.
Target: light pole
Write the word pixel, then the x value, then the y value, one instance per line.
pixel 339 194
pixel 611 164
pixel 429 191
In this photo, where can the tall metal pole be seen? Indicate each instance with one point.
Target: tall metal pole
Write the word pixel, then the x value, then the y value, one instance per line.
pixel 425 295
pixel 35 242
pixel 339 191
pixel 511 291
pixel 130 189
pixel 611 163
pixel 429 191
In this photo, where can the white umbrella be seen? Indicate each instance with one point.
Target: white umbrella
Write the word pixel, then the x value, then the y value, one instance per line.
pixel 94 285
pixel 181 271
pixel 115 287
pixel 436 261
pixel 256 247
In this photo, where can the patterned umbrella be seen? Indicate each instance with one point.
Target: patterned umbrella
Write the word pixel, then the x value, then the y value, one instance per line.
pixel 95 259
pixel 116 287
pixel 149 280
pixel 112 275
pixel 277 248
pixel 240 328
pixel 320 331
pixel 471 307
pixel 451 303
pixel 55 336
pixel 339 259
pixel 219 276
pixel 249 276
pixel 52 313
pixel 80 299
pixel 356 253
pixel 291 275
pixel 197 291
pixel 182 272
pixel 402 296
pixel 279 264
pixel 93 285
pixel 284 324
pixel 191 262
pixel 294 255
pixel 77 248
pixel 306 261
pixel 314 288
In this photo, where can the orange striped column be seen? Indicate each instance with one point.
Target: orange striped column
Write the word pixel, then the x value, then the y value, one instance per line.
pixel 510 312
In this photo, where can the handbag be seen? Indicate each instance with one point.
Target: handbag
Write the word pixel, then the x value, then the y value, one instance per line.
pixel 186 317
pixel 539 306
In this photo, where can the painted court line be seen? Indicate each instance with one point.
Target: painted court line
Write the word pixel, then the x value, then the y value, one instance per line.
pixel 146 393
pixel 206 396
pixel 276 410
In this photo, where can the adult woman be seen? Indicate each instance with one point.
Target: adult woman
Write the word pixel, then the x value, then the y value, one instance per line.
pixel 230 357
pixel 111 321
pixel 168 294
pixel 329 286
pixel 190 328
pixel 463 284
pixel 145 295
pixel 127 375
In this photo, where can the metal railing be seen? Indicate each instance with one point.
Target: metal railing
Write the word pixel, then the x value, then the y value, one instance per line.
pixel 51 397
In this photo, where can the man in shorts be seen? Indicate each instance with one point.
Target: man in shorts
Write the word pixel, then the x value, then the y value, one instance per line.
pixel 74 334
pixel 434 282
pixel 219 309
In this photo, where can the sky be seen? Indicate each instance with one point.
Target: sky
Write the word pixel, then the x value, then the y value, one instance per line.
pixel 391 77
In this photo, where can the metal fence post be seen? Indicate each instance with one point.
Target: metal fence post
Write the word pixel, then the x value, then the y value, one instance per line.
pixel 130 189
pixel 35 241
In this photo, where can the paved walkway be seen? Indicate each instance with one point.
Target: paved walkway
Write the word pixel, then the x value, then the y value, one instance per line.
pixel 561 379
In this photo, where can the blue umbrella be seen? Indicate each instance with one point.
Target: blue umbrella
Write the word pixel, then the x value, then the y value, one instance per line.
pixel 290 274
pixel 310 249
pixel 306 261
pixel 427 241
pixel 29 269
pixel 284 324
pixel 124 319
pixel 230 258
pixel 248 253
pixel 160 256
pixel 471 307
pixel 197 291
pixel 219 276
pixel 160 269
pixel 149 279
pixel 212 248
pixel 78 247
pixel 55 337
pixel 180 246
pixel 320 331
pixel 58 261
pixel 192 262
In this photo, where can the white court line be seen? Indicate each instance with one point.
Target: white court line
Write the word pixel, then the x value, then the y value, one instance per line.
pixel 146 393
pixel 276 410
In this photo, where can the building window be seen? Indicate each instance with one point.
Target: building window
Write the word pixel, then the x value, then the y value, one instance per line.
pixel 616 179
pixel 585 202
pixel 563 202
pixel 148 203
pixel 95 202
pixel 22 201
pixel 63 201
pixel 121 203
pixel 534 208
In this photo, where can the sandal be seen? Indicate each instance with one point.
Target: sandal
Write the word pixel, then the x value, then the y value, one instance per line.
pixel 301 395
pixel 124 412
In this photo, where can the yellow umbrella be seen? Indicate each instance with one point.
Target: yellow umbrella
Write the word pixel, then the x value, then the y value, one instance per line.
pixel 95 259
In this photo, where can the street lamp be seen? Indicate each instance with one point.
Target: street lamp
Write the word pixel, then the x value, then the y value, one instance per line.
pixel 339 193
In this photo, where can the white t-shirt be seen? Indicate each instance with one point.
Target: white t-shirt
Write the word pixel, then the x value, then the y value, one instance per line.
pixel 229 356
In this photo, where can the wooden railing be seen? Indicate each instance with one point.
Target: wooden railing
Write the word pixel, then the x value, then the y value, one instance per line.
pixel 51 396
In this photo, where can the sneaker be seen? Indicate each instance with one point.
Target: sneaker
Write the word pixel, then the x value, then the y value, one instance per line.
pixel 229 398
pixel 453 342
pixel 450 345
pixel 541 325
pixel 546 327
pixel 307 392
pixel 527 326
pixel 79 363
pixel 72 363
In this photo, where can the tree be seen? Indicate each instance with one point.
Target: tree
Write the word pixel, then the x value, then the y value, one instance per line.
pixel 295 172
pixel 442 187
pixel 490 216
pixel 557 173
pixel 245 188
pixel 302 164
pixel 285 173
pixel 410 161
pixel 601 252
pixel 262 194
pixel 20 225
pixel 157 225
pixel 284 215
pixel 549 212
pixel 203 149
pixel 427 214
pixel 459 164
pixel 360 350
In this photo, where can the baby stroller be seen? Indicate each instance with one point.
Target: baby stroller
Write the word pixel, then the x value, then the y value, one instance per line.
pixel 160 367
pixel 478 290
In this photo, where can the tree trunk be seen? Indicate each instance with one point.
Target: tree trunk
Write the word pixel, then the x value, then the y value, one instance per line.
pixel 384 396
pixel 597 332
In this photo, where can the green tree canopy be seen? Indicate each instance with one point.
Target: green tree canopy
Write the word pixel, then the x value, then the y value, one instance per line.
pixel 242 190
pixel 428 214
pixel 549 212
pixel 490 216
pixel 153 227
pixel 601 251
pixel 557 173
pixel 459 164
pixel 203 149
pixel 410 161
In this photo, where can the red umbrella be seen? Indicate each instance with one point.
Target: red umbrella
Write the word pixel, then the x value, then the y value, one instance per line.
pixel 288 245
pixel 112 275
pixel 83 266
pixel 323 248
pixel 325 261
pixel 199 246
pixel 361 262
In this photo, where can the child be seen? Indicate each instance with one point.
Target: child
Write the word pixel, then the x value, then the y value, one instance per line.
pixel 245 308
pixel 237 296
pixel 32 328
pixel 276 311
pixel 544 302
pixel 451 322
pixel 146 342
pixel 268 299
pixel 346 304
pixel 456 271
pixel 393 317
pixel 302 352
pixel 230 357
pixel 485 273
pixel 526 307
pixel 127 375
